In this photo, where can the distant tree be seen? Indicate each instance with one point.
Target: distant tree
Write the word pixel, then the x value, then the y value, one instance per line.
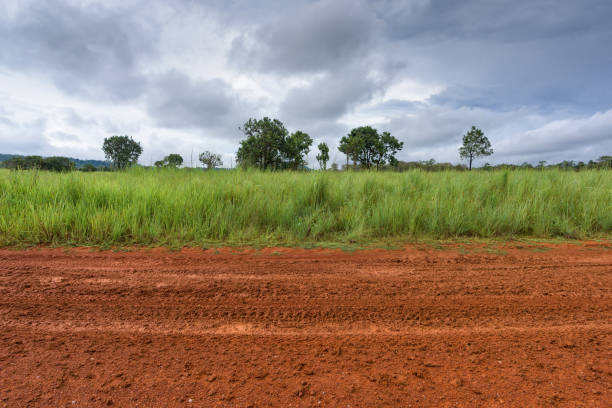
pixel 210 159
pixel 57 163
pixel 390 147
pixel 88 167
pixel 296 146
pixel 263 145
pixel 174 160
pixel 122 151
pixel 323 156
pixel 475 144
pixel 334 166
pixel 605 162
pixel 171 160
pixel 365 146
pixel 268 145
pixel 351 145
pixel 24 163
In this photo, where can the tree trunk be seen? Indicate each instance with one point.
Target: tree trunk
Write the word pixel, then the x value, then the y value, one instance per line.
pixel 470 163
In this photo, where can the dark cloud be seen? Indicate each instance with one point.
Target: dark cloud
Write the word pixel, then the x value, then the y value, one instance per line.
pixel 92 50
pixel 497 21
pixel 320 36
pixel 177 101
pixel 329 97
pixel 507 54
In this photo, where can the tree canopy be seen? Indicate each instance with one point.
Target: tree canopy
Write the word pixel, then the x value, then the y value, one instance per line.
pixel 366 147
pixel 268 145
pixel 53 163
pixel 122 151
pixel 171 160
pixel 323 156
pixel 210 159
pixel 475 144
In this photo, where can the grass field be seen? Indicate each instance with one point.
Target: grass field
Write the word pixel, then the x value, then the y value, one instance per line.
pixel 189 207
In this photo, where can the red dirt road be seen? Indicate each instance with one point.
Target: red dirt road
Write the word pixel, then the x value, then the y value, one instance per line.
pixel 287 327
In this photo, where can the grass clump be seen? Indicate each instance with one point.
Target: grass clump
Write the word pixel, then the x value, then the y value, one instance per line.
pixel 188 207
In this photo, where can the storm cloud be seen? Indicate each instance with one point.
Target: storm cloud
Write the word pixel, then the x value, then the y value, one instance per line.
pixel 183 76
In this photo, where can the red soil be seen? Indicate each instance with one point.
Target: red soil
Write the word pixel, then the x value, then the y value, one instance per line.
pixel 289 327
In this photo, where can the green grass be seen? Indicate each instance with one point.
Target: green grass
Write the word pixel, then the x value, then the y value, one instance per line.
pixel 188 207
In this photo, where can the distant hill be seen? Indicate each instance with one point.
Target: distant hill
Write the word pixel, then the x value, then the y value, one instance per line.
pixel 78 163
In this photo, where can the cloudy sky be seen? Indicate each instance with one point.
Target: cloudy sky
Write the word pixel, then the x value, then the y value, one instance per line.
pixel 183 75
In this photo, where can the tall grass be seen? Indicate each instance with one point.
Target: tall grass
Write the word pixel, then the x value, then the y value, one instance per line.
pixel 175 207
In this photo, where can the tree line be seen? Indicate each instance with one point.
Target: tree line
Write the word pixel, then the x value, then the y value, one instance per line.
pixel 268 145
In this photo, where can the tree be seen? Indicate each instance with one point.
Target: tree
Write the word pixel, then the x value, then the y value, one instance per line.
pixel 88 168
pixel 296 146
pixel 123 151
pixel 605 162
pixel 57 163
pixel 364 145
pixel 323 156
pixel 268 145
pixel 171 160
pixel 210 159
pixel 351 145
pixel 24 163
pixel 475 144
pixel 390 148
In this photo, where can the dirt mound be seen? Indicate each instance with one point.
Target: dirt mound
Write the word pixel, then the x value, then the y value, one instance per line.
pixel 515 325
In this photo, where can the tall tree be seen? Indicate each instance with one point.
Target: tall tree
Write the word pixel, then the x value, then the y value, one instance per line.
pixel 323 156
pixel 364 145
pixel 123 151
pixel 263 143
pixel 296 146
pixel 268 145
pixel 351 145
pixel 210 159
pixel 475 144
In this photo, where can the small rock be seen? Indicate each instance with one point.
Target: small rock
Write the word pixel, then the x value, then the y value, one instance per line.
pixel 211 378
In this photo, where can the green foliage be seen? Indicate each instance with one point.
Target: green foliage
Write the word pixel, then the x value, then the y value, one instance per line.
pixel 297 145
pixel 323 156
pixel 605 162
pixel 123 151
pixel 54 163
pixel 24 163
pixel 57 163
pixel 268 145
pixel 78 163
pixel 88 168
pixel 210 160
pixel 366 147
pixel 184 207
pixel 172 160
pixel 475 144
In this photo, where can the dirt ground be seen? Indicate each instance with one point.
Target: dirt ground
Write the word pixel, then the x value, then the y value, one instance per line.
pixel 515 325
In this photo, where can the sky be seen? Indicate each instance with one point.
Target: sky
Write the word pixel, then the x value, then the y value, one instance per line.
pixel 182 76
